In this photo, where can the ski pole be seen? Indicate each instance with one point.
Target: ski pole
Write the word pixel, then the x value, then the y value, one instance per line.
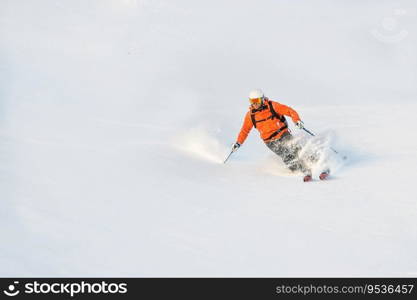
pixel 227 158
pixel 230 154
pixel 312 134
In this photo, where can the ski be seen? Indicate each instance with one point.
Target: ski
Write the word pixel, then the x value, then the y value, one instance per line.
pixel 324 175
pixel 308 178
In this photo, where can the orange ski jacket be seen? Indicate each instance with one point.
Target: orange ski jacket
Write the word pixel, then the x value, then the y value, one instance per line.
pixel 270 125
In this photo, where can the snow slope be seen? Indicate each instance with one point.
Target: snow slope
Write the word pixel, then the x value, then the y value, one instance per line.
pixel 115 116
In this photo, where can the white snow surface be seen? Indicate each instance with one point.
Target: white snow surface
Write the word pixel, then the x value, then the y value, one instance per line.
pixel 115 117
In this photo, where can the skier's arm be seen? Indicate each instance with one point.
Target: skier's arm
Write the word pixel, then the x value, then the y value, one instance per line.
pixel 287 111
pixel 246 128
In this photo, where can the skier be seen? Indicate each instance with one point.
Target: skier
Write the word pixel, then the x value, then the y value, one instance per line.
pixel 268 117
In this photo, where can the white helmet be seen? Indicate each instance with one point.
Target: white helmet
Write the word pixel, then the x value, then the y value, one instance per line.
pixel 257 93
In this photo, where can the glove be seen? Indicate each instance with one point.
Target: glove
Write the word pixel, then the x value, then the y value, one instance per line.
pixel 235 146
pixel 299 124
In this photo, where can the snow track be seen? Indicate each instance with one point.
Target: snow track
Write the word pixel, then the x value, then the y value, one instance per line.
pixel 115 118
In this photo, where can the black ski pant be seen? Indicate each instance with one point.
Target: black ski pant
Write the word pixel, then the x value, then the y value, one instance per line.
pixel 289 153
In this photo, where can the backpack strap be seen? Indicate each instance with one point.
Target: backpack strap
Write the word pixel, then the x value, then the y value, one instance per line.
pixel 274 115
pixel 252 116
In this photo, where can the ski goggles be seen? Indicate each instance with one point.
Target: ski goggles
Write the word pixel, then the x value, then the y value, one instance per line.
pixel 255 101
